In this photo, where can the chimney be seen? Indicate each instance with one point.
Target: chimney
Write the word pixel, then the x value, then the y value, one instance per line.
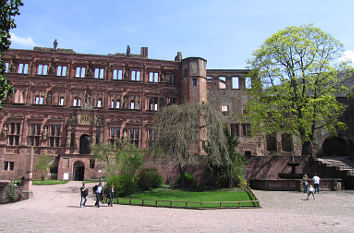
pixel 144 52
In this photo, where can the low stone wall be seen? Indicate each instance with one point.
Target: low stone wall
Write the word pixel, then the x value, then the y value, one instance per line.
pixel 294 184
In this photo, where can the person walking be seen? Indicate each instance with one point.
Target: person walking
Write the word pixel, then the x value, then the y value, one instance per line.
pixel 98 195
pixel 311 191
pixel 316 182
pixel 111 195
pixel 305 182
pixel 84 193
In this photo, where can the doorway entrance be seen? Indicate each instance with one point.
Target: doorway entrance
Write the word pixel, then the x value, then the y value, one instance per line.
pixel 79 171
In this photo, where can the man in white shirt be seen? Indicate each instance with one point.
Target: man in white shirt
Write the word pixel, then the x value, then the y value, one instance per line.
pixel 98 195
pixel 316 182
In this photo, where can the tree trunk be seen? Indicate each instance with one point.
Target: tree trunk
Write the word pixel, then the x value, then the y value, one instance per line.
pixel 306 148
pixel 182 178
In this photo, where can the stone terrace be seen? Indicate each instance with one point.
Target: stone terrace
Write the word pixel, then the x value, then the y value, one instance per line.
pixel 56 209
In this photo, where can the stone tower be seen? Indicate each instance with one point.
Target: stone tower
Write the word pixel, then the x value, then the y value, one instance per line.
pixel 194 85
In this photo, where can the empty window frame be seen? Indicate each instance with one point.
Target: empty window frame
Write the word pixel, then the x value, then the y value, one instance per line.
pixel 38 99
pixel 170 78
pixel 42 69
pixel 35 132
pixel 235 130
pixel 248 83
pixel 235 83
pixel 134 136
pixel 92 163
pixel 153 103
pixel 61 71
pixel 80 72
pixel 210 79
pixel 61 101
pixel 135 75
pixel 7 66
pixel 9 166
pixel 132 104
pixel 170 100
pixel 76 102
pixel 54 135
pixel 151 136
pixel 14 134
pixel 99 103
pixel 153 77
pixel 22 68
pixel 117 74
pixel 222 83
pixel 115 104
pixel 99 73
pixel 246 130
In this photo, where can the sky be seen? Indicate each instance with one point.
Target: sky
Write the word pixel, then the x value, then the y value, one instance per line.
pixel 224 32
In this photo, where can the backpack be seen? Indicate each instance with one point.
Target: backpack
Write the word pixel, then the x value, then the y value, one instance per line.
pixel 86 192
pixel 95 188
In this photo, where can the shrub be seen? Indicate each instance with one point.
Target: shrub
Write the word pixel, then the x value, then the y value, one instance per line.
pixel 190 180
pixel 149 179
pixel 124 185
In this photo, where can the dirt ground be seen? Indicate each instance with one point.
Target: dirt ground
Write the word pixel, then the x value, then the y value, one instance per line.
pixel 55 208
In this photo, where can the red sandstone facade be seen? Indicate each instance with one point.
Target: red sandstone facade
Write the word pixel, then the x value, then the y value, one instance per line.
pixel 66 101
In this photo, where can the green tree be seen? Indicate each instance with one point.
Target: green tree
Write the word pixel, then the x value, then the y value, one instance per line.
pixel 8 10
pixel 295 75
pixel 44 162
pixel 181 130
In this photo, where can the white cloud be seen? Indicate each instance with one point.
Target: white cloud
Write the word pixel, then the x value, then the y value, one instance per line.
pixel 21 41
pixel 348 55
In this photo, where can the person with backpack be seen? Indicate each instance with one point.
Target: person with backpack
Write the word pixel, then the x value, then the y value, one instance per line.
pixel 84 193
pixel 98 192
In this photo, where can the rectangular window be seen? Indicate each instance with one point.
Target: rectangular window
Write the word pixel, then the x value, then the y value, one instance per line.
pixel 235 131
pixel 112 104
pixel 195 82
pixel 38 99
pixel 222 83
pixel 248 83
pixel 61 101
pixel 117 74
pixel 114 135
pixel 118 104
pixel 153 77
pixel 7 66
pixel 14 135
pixel 12 165
pixel 92 163
pixel 9 166
pixel 61 71
pixel 153 103
pixel 80 72
pixel 42 69
pixel 132 104
pixel 210 79
pixel 235 83
pixel 135 76
pixel 151 136
pixel 246 130
pixel 134 136
pixel 23 68
pixel 225 109
pixel 54 135
pixel 99 73
pixel 35 132
pixel 170 78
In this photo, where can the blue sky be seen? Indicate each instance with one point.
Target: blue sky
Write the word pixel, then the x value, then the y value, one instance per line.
pixel 225 32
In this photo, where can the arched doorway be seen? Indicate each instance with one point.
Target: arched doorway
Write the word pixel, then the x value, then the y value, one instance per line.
pixel 78 171
pixel 85 144
pixel 334 146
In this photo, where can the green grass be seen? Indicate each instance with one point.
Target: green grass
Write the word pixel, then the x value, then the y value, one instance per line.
pixel 178 198
pixel 49 182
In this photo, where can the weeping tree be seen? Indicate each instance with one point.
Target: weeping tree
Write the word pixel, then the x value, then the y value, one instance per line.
pixel 295 76
pixel 188 131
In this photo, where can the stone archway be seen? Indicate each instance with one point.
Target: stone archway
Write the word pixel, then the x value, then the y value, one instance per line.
pixel 85 141
pixel 334 146
pixel 78 171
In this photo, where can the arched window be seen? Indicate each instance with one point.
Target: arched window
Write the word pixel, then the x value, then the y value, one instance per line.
pixel 85 144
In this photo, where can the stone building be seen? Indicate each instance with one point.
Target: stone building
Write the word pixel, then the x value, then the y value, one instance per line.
pixel 65 101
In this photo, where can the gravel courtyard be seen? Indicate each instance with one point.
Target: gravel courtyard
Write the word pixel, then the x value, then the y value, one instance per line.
pixel 56 209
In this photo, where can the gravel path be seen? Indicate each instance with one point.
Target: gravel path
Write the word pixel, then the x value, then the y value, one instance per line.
pixel 56 209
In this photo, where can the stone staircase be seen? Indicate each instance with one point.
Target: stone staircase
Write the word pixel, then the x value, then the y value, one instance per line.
pixel 341 163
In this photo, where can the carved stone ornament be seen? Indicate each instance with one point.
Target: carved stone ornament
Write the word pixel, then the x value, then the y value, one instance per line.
pixel 4 131
pixel 85 119
pixel 45 133
pixel 72 119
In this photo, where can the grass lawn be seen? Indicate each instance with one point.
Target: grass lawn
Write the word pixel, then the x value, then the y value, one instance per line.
pixel 49 182
pixel 189 199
